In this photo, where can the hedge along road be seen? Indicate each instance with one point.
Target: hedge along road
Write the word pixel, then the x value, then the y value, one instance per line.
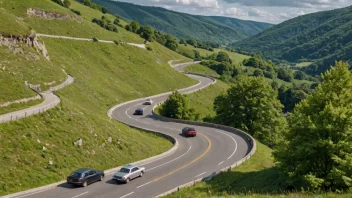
pixel 210 151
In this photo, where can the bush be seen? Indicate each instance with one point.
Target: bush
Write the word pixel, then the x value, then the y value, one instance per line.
pixel 149 48
pixel 95 39
pixel 65 3
pixel 76 12
pixel 105 23
pixel 116 42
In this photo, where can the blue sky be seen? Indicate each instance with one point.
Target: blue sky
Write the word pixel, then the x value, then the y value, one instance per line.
pixel 272 11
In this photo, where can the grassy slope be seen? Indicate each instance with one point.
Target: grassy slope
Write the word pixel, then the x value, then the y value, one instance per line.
pixel 201 70
pixel 203 100
pixel 106 74
pixel 236 58
pixel 18 106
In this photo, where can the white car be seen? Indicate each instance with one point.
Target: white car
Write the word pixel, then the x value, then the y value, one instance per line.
pixel 148 102
pixel 128 172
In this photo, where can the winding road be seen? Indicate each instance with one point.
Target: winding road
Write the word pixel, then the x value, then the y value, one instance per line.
pixel 212 150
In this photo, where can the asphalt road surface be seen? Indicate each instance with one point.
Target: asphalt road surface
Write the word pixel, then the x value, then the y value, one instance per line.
pixel 211 150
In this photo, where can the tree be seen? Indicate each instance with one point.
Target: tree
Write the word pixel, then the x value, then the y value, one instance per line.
pixel 285 74
pixel 116 21
pixel 223 57
pixel 104 10
pixel 133 26
pixel 66 3
pixel 300 75
pixel 176 106
pixel 171 43
pixel 258 72
pixel 147 33
pixel 197 55
pixel 317 151
pixel 252 105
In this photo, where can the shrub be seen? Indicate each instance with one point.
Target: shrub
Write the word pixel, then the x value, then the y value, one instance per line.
pixel 149 48
pixel 76 12
pixel 95 39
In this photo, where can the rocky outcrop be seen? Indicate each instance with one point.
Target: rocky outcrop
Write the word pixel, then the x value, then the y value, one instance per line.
pixel 35 12
pixel 13 42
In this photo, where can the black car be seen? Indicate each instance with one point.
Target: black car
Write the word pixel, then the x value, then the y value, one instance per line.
pixel 85 176
pixel 138 111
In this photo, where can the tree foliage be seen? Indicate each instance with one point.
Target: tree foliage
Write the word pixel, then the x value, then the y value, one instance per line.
pixel 147 33
pixel 252 105
pixel 317 151
pixel 64 3
pixel 176 106
pixel 133 26
pixel 95 6
pixel 105 23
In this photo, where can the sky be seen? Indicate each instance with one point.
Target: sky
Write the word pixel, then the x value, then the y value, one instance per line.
pixel 271 11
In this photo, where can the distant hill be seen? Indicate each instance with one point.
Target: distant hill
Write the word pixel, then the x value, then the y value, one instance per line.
pixel 321 37
pixel 204 28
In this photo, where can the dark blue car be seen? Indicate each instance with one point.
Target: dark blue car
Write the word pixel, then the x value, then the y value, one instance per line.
pixel 85 176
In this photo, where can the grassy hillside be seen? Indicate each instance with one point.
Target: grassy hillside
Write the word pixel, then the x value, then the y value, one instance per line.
pixel 188 49
pixel 105 75
pixel 184 25
pixel 321 37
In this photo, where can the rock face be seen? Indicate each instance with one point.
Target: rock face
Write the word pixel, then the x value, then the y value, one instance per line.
pixel 34 12
pixel 31 40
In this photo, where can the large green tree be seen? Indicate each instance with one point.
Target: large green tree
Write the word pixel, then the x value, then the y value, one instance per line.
pixel 147 33
pixel 176 106
pixel 251 104
pixel 317 152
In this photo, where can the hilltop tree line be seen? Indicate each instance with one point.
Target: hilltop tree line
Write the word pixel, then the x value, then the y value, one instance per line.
pixel 149 34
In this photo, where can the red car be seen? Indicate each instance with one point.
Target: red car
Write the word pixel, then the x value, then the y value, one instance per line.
pixel 189 132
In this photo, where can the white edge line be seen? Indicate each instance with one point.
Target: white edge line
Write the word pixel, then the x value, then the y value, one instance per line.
pixel 171 160
pixel 200 174
pixel 233 140
pixel 127 194
pixel 220 163
pixel 144 184
pixel 80 194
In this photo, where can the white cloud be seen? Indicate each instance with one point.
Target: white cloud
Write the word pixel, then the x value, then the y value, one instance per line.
pixel 235 12
pixel 272 11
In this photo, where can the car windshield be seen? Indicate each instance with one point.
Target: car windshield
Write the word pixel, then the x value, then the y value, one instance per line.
pixel 148 99
pixel 125 170
pixel 76 174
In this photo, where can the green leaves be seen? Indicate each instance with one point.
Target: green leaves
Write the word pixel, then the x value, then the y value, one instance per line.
pixel 252 105
pixel 176 106
pixel 319 142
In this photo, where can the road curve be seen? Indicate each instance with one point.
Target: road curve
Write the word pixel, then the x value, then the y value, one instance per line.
pixel 50 101
pixel 212 150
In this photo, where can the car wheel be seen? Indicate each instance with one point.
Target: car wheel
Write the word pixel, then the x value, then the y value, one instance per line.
pixel 85 184
pixel 101 178
pixel 127 180
pixel 141 174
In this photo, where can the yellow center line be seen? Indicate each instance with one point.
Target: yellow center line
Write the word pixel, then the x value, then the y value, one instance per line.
pixel 184 166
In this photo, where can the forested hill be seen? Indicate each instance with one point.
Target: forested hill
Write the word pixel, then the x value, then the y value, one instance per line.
pixel 211 29
pixel 321 37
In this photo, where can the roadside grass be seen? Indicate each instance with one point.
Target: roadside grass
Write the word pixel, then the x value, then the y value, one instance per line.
pixel 189 50
pixel 16 68
pixel 200 69
pixel 203 100
pixel 105 75
pixel 19 106
pixel 235 57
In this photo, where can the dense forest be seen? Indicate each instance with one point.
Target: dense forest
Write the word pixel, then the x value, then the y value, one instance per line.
pixel 322 38
pixel 214 29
